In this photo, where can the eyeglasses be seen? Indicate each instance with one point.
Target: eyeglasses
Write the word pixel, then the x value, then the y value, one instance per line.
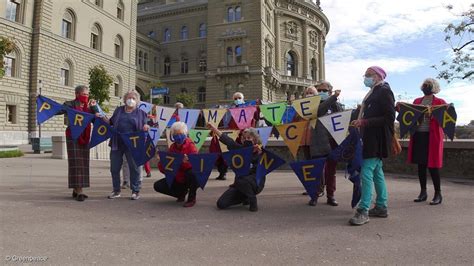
pixel 322 90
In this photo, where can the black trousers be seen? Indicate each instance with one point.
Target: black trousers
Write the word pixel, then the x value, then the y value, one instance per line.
pixel 244 189
pixel 178 190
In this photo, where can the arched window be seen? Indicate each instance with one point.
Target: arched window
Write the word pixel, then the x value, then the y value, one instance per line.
pixel 118 47
pixel 238 55
pixel 68 25
pixel 98 3
pixel 14 10
pixel 230 14
pixel 120 8
pixel 66 74
pixel 201 94
pixel 167 66
pixel 118 86
pixel 140 60
pixel 290 64
pixel 96 37
pixel 11 63
pixel 202 30
pixel 184 64
pixel 314 69
pixel 145 62
pixel 238 13
pixel 230 56
pixel 184 33
pixel 167 35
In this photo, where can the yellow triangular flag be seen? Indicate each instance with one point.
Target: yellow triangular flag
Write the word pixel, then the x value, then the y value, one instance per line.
pixel 307 108
pixel 233 134
pixel 292 134
pixel 213 116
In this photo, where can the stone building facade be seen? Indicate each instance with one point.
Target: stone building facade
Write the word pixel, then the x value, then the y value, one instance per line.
pixel 268 49
pixel 57 42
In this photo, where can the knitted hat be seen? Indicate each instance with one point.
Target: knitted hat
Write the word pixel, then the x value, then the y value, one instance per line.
pixel 379 71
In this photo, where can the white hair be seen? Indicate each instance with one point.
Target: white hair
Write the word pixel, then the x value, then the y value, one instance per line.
pixel 321 82
pixel 181 126
pixel 313 88
pixel 240 94
pixel 434 85
pixel 178 105
pixel 131 92
pixel 254 134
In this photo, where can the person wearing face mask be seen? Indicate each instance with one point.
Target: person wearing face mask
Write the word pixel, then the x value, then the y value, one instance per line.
pixel 185 181
pixel 426 144
pixel 78 151
pixel 376 122
pixel 245 189
pixel 126 119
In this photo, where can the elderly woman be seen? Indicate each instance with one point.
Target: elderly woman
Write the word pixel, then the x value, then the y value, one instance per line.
pixel 78 151
pixel 185 181
pixel 376 120
pixel 245 188
pixel 426 144
pixel 126 119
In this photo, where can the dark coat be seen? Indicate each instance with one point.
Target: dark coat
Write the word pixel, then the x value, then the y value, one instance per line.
pixel 379 112
pixel 320 137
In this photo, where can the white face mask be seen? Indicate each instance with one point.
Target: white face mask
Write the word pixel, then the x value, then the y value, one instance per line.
pixel 131 102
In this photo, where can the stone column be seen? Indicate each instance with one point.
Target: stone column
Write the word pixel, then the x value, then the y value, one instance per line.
pixel 322 71
pixel 277 40
pixel 306 73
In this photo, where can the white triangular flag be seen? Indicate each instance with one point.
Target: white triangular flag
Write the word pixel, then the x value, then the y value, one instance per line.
pixel 337 124
pixel 163 116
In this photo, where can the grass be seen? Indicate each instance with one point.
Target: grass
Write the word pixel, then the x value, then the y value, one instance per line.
pixel 11 154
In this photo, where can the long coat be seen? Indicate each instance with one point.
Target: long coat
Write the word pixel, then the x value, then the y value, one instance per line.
pixel 435 143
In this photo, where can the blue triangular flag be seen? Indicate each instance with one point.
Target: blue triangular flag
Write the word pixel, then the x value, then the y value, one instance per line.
pixel 189 116
pixel 288 115
pixel 267 162
pixel 135 143
pixel 154 135
pixel 171 163
pixel 150 150
pixel 264 133
pixel 239 160
pixel 446 117
pixel 100 132
pixel 146 107
pixel 309 173
pixel 78 121
pixel 202 165
pixel 46 108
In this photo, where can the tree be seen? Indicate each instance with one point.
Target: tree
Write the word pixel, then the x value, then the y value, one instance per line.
pixel 99 85
pixel 186 99
pixel 459 38
pixel 6 47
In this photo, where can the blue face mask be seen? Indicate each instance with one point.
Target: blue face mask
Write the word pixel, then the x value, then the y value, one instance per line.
pixel 369 82
pixel 239 102
pixel 179 138
pixel 324 95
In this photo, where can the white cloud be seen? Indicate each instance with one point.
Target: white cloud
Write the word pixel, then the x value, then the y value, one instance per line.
pixel 461 94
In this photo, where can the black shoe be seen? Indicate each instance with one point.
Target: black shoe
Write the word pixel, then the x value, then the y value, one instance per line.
pixel 148 175
pixel 74 194
pixel 437 199
pixel 313 202
pixel 81 197
pixel 332 201
pixel 304 193
pixel 422 197
pixel 221 177
pixel 253 207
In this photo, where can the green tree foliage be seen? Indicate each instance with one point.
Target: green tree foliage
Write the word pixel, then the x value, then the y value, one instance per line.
pixel 99 85
pixel 460 39
pixel 6 47
pixel 186 99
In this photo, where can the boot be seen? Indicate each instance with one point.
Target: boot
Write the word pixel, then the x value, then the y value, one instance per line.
pixel 253 207
pixel 221 177
pixel 437 199
pixel 422 197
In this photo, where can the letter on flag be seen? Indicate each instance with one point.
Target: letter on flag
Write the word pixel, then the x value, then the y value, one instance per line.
pixel 146 107
pixel 154 135
pixel 171 163
pixel 46 108
pixel 135 142
pixel 100 132
pixel 213 116
pixel 189 116
pixel 199 137
pixel 446 117
pixel 292 134
pixel 273 113
pixel 310 174
pixel 267 162
pixel 264 133
pixel 163 116
pixel 243 116
pixel 202 165
pixel 239 160
pixel 337 124
pixel 307 108
pixel 408 117
pixel 78 121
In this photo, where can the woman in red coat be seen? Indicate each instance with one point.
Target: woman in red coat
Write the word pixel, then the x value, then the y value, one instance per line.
pixel 426 144
pixel 185 181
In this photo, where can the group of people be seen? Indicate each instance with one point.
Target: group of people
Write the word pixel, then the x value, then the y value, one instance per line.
pixel 374 118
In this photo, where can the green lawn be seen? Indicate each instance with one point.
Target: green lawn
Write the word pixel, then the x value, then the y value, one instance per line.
pixel 10 154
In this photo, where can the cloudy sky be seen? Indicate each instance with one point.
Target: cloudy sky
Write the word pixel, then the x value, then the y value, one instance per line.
pixel 404 37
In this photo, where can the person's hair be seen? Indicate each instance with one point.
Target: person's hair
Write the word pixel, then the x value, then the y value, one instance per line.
pixel 434 85
pixel 321 82
pixel 254 134
pixel 179 126
pixel 178 105
pixel 132 92
pixel 313 88
pixel 80 88
pixel 239 93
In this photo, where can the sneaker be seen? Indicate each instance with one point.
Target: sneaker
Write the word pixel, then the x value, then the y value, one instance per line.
pixel 378 212
pixel 125 185
pixel 135 196
pixel 359 218
pixel 114 195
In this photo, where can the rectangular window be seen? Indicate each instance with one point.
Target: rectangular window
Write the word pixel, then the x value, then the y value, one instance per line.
pixel 66 29
pixel 117 51
pixel 116 89
pixel 64 77
pixel 13 9
pixel 94 41
pixel 119 13
pixel 202 65
pixel 11 114
pixel 184 67
pixel 9 66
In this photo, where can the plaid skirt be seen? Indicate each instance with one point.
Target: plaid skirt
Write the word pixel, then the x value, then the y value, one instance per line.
pixel 78 164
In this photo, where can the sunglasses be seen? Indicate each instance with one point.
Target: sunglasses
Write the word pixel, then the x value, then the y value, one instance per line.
pixel 322 90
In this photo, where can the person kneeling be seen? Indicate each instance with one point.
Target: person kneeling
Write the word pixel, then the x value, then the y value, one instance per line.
pixel 185 180
pixel 245 188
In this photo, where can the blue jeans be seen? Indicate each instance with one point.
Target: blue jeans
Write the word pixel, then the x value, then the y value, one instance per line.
pixel 116 161
pixel 372 175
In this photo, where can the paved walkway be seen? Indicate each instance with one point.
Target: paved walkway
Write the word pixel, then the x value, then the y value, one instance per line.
pixel 39 220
